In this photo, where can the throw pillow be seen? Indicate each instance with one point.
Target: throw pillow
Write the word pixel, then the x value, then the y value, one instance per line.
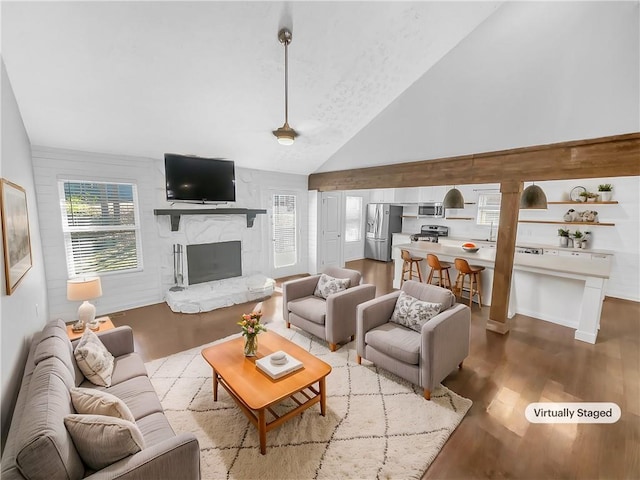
pixel 102 440
pixel 94 360
pixel 413 313
pixel 328 285
pixel 97 402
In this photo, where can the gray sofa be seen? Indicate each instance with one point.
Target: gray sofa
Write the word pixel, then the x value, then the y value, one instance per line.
pixel 422 357
pixel 38 445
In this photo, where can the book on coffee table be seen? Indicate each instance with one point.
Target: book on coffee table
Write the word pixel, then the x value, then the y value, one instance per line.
pixel 276 371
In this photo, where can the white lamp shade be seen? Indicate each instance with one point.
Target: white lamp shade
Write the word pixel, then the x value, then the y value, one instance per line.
pixel 84 289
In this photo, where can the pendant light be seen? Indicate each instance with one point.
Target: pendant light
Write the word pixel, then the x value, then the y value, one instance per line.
pixel 533 198
pixel 285 134
pixel 453 199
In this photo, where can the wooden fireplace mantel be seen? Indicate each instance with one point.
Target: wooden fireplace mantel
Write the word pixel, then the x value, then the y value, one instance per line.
pixel 176 213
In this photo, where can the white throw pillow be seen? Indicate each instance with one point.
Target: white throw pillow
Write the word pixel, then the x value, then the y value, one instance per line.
pixel 101 441
pixel 96 402
pixel 94 360
pixel 413 313
pixel 328 285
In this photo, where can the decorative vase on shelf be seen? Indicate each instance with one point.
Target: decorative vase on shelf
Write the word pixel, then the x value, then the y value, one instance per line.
pixel 564 241
pixel 605 196
pixel 250 345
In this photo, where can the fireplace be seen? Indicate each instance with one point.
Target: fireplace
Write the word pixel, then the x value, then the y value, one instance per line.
pixel 214 261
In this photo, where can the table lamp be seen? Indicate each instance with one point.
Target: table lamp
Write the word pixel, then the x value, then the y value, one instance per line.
pixel 84 289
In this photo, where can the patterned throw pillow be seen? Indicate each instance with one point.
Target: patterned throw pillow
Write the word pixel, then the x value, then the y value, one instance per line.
pixel 101 440
pixel 94 360
pixel 413 313
pixel 328 285
pixel 97 402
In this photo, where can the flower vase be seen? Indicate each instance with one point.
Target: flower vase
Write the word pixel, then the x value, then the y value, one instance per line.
pixel 564 241
pixel 250 345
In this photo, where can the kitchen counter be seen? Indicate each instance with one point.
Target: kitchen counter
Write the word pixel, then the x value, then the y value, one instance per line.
pixel 564 290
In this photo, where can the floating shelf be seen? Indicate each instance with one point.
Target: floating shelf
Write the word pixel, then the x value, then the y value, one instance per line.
pixel 458 218
pixel 176 213
pixel 613 202
pixel 569 223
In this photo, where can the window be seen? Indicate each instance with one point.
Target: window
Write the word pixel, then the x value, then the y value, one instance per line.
pixel 285 247
pixel 353 219
pixel 488 209
pixel 101 227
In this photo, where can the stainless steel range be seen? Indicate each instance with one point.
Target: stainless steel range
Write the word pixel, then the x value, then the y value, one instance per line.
pixel 431 233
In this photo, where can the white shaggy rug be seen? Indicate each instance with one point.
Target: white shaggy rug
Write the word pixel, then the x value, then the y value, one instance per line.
pixel 376 426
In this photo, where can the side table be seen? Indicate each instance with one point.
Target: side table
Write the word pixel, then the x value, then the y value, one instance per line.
pixel 105 323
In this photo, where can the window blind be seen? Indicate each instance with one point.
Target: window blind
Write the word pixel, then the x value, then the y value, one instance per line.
pixel 100 226
pixel 284 230
pixel 488 208
pixel 353 219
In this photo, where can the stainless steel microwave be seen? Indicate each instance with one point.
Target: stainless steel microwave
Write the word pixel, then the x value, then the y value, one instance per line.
pixel 431 209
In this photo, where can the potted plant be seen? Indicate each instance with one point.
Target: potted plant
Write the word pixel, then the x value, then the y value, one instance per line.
pixel 564 237
pixel 577 239
pixel 592 197
pixel 584 196
pixel 605 191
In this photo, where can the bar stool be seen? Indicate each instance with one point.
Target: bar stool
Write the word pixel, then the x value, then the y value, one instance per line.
pixel 473 271
pixel 444 280
pixel 409 263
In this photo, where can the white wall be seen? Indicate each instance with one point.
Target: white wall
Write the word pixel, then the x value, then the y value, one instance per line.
pixel 532 73
pixel 26 310
pixel 253 189
pixel 130 290
pixel 119 291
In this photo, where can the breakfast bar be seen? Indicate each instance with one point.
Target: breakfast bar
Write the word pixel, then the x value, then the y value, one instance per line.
pixel 565 290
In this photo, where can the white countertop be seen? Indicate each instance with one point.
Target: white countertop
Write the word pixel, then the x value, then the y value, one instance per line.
pixel 549 264
pixel 522 244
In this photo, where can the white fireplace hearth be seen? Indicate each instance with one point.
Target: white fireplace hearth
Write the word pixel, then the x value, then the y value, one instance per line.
pixel 207 296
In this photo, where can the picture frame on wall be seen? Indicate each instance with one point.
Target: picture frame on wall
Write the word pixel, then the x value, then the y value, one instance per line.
pixel 16 239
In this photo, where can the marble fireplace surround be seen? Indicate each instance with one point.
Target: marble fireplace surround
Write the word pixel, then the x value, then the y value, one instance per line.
pixel 253 285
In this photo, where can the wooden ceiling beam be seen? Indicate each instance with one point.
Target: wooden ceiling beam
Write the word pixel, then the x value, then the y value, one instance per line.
pixel 612 156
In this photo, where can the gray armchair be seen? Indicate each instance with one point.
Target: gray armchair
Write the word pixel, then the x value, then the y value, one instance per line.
pixel 333 319
pixel 426 357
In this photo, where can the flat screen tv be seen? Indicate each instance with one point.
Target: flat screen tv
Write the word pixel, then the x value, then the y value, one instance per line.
pixel 198 179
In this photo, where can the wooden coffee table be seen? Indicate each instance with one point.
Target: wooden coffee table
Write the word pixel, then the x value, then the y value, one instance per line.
pixel 255 392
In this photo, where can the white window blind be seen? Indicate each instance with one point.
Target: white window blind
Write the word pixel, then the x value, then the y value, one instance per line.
pixel 353 219
pixel 101 227
pixel 488 208
pixel 285 248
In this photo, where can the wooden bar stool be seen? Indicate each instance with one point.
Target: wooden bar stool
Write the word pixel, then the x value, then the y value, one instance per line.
pixel 473 271
pixel 444 280
pixel 409 263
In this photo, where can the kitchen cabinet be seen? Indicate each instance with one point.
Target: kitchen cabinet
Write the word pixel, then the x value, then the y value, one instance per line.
pixel 382 195
pixel 571 253
pixel 407 195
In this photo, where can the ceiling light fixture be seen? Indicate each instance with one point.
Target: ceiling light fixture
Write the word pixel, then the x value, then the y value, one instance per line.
pixel 533 198
pixel 453 199
pixel 285 134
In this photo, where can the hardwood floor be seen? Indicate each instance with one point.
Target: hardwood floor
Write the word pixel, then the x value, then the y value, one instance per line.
pixel 536 361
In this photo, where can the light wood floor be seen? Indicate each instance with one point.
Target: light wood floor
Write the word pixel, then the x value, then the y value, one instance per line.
pixel 536 361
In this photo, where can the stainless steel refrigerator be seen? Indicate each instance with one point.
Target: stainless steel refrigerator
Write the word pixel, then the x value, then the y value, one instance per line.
pixel 383 219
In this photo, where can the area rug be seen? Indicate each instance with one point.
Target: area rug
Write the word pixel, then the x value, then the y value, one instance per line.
pixel 376 426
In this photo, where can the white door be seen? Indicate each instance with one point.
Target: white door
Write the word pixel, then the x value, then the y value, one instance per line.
pixel 284 253
pixel 331 234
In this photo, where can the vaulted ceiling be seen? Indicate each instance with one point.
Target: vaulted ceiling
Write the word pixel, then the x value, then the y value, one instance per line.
pixel 207 78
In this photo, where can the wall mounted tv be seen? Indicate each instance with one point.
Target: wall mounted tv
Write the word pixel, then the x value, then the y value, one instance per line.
pixel 198 179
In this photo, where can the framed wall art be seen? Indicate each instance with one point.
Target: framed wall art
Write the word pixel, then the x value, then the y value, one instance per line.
pixel 15 233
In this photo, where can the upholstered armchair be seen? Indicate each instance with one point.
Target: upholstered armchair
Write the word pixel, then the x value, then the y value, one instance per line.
pixel 332 318
pixel 421 341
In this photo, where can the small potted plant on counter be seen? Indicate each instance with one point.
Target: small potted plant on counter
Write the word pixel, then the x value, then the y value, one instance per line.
pixel 564 237
pixel 605 192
